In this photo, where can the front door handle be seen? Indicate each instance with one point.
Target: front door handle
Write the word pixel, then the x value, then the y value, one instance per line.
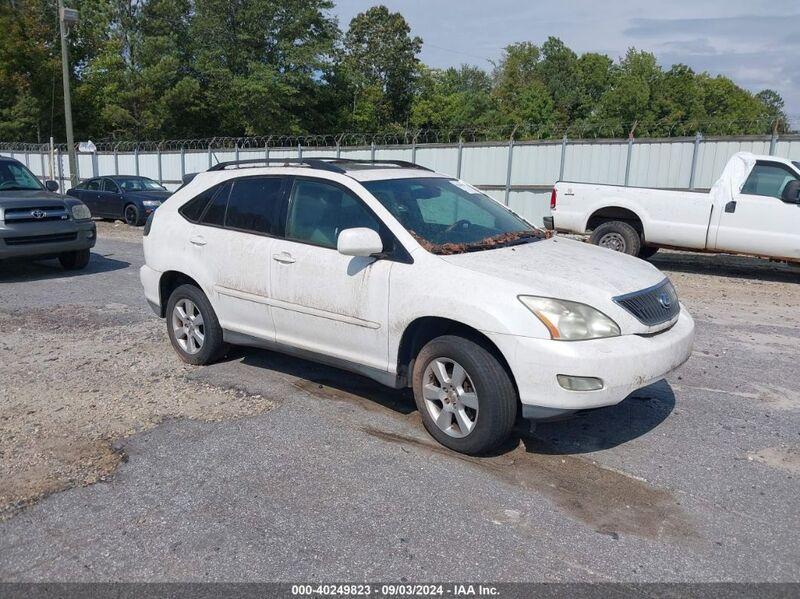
pixel 730 207
pixel 197 240
pixel 283 258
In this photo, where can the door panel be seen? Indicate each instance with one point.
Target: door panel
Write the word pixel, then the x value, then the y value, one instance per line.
pixel 329 303
pixel 323 301
pixel 236 262
pixel 757 221
pixel 109 199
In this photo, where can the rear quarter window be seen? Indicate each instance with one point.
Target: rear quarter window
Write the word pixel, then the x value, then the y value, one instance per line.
pixel 193 209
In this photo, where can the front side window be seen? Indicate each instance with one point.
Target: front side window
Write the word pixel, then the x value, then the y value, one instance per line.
pixel 768 179
pixel 254 204
pixel 447 216
pixel 319 211
pixel 140 184
pixel 17 177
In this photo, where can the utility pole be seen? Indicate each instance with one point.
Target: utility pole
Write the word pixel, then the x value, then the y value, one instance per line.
pixel 67 15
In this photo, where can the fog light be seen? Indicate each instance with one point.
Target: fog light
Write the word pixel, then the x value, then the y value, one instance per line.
pixel 579 383
pixel 90 235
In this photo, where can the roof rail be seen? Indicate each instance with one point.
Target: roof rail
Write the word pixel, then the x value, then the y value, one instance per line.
pixel 324 163
pixel 401 163
pixel 316 163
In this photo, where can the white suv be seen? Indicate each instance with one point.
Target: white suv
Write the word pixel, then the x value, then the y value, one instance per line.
pixel 414 279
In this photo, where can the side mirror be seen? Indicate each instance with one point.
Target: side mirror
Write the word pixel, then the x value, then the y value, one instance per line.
pixel 51 185
pixel 791 193
pixel 359 242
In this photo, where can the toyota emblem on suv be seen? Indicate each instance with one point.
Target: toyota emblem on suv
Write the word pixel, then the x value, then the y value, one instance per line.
pixel 38 213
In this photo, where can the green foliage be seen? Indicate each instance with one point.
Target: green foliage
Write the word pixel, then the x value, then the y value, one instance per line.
pixel 158 69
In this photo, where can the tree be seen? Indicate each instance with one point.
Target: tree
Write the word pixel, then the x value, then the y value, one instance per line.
pixel 773 104
pixel 29 70
pixel 453 98
pixel 379 54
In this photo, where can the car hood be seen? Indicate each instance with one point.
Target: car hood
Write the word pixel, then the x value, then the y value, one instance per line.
pixel 148 195
pixel 565 269
pixel 29 199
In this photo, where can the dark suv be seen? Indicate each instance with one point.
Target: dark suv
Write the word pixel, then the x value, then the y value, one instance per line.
pixel 36 222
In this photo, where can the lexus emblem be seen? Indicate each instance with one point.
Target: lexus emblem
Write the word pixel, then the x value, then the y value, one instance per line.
pixel 38 213
pixel 664 300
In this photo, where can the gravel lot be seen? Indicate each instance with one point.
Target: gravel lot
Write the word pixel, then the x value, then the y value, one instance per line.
pixel 263 467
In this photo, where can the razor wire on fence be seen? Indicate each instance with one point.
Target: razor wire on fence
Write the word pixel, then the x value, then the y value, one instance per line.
pixel 662 128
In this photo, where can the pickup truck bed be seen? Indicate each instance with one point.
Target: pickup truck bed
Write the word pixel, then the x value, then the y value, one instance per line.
pixel 753 208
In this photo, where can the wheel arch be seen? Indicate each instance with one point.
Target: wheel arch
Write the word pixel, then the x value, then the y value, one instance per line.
pixel 426 328
pixel 169 282
pixel 615 213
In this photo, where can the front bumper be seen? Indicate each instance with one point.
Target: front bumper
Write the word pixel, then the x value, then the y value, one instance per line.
pixel 46 239
pixel 624 363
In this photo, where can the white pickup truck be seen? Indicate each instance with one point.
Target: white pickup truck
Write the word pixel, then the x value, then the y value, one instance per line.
pixel 753 208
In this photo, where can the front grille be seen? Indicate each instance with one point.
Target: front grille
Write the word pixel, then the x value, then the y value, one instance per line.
pixel 653 305
pixel 36 214
pixel 29 239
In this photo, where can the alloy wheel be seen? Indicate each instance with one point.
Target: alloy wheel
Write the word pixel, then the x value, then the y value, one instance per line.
pixel 188 326
pixel 450 397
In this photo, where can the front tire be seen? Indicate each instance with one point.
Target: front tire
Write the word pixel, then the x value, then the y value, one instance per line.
pixel 464 395
pixel 75 260
pixel 193 327
pixel 133 216
pixel 619 236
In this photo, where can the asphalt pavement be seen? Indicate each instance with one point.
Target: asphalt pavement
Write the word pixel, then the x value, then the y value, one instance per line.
pixel 694 478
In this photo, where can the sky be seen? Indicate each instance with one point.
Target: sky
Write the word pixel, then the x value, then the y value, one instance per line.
pixel 756 43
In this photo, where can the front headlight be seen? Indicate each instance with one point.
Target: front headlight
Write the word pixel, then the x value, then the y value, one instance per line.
pixel 151 203
pixel 81 212
pixel 570 321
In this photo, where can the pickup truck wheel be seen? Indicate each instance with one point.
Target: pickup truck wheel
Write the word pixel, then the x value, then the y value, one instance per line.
pixel 618 236
pixel 74 260
pixel 193 327
pixel 464 395
pixel 647 251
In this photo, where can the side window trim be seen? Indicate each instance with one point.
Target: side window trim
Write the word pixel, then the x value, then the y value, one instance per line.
pixel 398 253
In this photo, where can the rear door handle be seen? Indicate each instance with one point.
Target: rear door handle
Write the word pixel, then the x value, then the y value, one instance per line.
pixel 197 240
pixel 283 258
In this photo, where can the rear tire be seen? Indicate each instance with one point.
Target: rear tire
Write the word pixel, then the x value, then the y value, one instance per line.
pixel 464 395
pixel 193 327
pixel 75 260
pixel 619 236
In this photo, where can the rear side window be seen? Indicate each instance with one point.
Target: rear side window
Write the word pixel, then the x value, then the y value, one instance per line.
pixel 109 185
pixel 193 209
pixel 215 213
pixel 254 204
pixel 93 185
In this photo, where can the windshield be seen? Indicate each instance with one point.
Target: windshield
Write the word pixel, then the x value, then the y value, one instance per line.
pixel 139 184
pixel 16 177
pixel 447 216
